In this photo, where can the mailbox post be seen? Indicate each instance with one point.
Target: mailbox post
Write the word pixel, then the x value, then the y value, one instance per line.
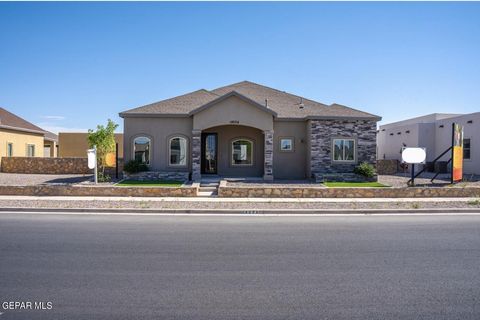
pixel 413 156
pixel 92 162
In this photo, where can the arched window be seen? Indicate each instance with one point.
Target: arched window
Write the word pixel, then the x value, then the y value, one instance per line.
pixel 242 152
pixel 177 151
pixel 141 150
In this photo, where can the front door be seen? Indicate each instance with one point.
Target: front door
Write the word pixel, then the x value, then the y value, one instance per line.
pixel 209 153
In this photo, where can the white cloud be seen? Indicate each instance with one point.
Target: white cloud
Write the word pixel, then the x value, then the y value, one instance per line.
pixel 56 129
pixel 56 118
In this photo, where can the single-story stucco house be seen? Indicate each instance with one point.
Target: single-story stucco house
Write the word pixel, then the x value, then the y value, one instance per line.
pixel 248 130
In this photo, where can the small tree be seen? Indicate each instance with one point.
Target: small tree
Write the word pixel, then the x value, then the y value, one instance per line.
pixel 104 139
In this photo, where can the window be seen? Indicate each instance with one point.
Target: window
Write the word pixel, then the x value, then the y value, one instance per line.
pixel 344 150
pixel 141 150
pixel 242 152
pixel 178 151
pixel 286 144
pixel 9 149
pixel 466 149
pixel 30 150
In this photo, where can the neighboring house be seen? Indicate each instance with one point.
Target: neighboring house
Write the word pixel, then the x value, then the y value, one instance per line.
pixel 50 145
pixel 248 130
pixel 433 132
pixel 18 137
pixel 75 144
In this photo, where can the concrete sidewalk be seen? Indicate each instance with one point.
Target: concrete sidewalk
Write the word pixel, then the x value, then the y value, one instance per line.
pixel 235 200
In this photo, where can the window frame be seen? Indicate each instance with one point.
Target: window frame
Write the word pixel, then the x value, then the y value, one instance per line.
pixel 232 163
pixel 292 139
pixel 169 151
pixel 354 150
pixel 28 150
pixel 149 148
pixel 9 155
pixel 469 149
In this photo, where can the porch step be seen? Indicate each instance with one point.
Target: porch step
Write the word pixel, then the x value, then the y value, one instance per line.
pixel 206 193
pixel 208 188
pixel 209 184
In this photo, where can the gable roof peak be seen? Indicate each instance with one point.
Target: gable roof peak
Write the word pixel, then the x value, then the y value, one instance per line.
pixel 9 120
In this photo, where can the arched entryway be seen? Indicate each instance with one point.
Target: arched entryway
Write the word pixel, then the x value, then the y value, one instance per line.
pixel 232 151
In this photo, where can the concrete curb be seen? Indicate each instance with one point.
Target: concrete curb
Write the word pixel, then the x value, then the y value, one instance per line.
pixel 240 211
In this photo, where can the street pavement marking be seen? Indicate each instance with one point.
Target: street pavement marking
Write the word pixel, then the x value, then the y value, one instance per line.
pixel 244 214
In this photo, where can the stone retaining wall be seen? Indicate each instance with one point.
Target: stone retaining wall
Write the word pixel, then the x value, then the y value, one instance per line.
pixel 158 175
pixel 34 165
pixel 389 167
pixel 109 191
pixel 321 192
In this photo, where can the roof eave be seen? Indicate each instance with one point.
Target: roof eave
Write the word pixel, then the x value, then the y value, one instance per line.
pixel 373 118
pixel 2 126
pixel 153 115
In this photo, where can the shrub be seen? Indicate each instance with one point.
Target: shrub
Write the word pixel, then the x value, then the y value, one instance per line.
pixel 134 166
pixel 102 177
pixel 365 169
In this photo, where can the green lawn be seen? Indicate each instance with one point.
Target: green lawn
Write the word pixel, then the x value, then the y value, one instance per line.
pixel 354 184
pixel 150 183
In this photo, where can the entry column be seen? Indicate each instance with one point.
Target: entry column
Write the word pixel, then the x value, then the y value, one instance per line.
pixel 196 154
pixel 268 155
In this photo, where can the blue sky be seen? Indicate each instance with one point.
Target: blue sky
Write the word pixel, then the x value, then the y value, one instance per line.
pixel 70 66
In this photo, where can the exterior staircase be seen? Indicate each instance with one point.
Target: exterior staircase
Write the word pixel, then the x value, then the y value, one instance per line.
pixel 208 187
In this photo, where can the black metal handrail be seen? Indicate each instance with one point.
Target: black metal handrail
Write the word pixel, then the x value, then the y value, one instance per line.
pixel 433 163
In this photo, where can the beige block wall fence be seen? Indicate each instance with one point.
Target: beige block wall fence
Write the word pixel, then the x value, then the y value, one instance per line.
pixel 75 144
pixel 45 165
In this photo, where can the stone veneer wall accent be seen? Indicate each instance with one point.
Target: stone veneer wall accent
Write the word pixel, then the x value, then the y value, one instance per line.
pixel 268 155
pixel 107 191
pixel 387 166
pixel 196 155
pixel 158 175
pixel 321 192
pixel 322 132
pixel 34 165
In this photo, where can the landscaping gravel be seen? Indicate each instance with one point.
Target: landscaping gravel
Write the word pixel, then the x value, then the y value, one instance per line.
pixel 125 204
pixel 443 180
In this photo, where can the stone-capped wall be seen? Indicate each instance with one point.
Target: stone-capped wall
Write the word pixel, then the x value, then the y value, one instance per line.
pixel 158 175
pixel 45 165
pixel 322 132
pixel 387 166
pixel 107 191
pixel 322 192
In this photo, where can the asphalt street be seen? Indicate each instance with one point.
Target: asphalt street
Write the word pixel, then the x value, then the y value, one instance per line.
pixel 240 267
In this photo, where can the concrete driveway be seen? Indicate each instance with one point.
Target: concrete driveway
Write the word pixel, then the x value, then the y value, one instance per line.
pixel 19 179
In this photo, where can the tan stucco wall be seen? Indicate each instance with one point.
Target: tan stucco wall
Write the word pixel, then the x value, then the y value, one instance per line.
pixel 234 110
pixel 75 144
pixel 159 130
pixel 290 165
pixel 20 141
pixel 225 136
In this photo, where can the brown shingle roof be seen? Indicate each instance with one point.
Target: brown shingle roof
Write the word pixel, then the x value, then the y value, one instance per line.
pixel 50 136
pixel 11 121
pixel 285 105
pixel 180 105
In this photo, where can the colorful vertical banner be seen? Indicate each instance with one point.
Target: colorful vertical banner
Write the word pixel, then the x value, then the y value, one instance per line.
pixel 457 153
